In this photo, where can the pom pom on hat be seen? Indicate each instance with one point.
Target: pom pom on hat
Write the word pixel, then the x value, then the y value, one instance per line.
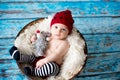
pixel 63 17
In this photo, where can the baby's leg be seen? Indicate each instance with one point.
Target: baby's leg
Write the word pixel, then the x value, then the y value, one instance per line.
pixel 21 57
pixel 48 69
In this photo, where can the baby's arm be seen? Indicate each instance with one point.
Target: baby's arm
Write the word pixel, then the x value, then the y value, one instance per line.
pixel 56 55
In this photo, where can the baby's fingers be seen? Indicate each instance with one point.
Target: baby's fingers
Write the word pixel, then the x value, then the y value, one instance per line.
pixel 37 66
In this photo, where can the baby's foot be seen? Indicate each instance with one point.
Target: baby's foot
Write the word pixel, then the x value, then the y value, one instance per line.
pixel 14 53
pixel 28 71
pixel 48 69
pixel 34 72
pixel 21 57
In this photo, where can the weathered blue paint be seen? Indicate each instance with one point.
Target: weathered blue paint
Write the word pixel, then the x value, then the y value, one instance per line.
pixel 97 20
pixel 106 76
pixel 53 1
pixel 87 26
pixel 104 43
pixel 38 9
pixel 101 63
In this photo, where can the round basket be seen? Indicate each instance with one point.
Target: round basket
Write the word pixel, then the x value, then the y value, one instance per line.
pixel 74 60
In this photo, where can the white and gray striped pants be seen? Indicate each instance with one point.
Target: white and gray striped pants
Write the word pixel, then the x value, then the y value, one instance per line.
pixel 48 69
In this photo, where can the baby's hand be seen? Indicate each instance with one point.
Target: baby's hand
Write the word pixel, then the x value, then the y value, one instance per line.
pixel 40 63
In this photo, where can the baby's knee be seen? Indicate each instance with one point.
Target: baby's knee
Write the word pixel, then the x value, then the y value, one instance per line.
pixel 53 68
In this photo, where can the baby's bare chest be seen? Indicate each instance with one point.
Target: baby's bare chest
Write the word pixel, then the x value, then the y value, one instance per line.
pixel 54 45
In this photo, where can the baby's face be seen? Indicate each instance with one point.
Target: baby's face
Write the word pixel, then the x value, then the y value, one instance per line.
pixel 59 31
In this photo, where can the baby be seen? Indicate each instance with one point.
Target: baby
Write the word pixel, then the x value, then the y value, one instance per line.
pixel 49 64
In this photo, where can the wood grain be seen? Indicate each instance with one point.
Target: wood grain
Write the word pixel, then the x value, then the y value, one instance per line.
pixel 43 9
pixel 102 25
pixel 97 20
pixel 97 64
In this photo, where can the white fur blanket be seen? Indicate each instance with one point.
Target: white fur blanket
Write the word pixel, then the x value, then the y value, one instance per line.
pixel 74 59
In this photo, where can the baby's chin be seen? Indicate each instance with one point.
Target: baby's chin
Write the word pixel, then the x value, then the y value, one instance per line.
pixel 59 38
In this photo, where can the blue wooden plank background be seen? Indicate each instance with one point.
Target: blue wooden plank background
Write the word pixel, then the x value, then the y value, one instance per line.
pixel 97 20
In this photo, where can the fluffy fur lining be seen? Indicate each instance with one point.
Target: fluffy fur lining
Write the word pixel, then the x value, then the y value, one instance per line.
pixel 74 59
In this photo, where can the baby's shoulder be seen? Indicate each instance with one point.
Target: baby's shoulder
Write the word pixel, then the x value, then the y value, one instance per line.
pixel 64 43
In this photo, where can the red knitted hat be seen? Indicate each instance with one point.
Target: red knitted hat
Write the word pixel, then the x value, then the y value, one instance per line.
pixel 63 17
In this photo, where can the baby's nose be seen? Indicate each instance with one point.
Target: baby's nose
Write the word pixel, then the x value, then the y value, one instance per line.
pixel 58 31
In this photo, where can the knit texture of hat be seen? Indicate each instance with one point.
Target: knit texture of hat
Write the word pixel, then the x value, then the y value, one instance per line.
pixel 63 17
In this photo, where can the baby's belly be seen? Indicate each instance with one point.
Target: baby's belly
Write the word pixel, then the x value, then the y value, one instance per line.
pixel 58 61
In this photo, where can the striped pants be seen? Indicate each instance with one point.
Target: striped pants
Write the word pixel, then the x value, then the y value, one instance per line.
pixel 48 69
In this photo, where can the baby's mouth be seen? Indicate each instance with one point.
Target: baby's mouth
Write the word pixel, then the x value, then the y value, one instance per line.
pixel 57 34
